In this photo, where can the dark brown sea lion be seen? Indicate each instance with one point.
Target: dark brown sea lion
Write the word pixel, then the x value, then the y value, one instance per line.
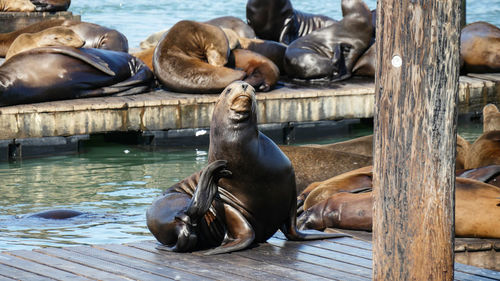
pixel 491 118
pixel 236 24
pixel 95 36
pixel 365 65
pixel 477 209
pixel 331 52
pixel 51 5
pixel 53 36
pixel 276 20
pixel 60 214
pixel 191 58
pixel 484 151
pixel 260 71
pixel 270 49
pixel 57 73
pixel 313 164
pixel 480 47
pixel 487 174
pixel 249 205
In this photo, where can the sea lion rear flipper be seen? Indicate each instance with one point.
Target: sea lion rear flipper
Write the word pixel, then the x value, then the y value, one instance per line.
pixel 239 235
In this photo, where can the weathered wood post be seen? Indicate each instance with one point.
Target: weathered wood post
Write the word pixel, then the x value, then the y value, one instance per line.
pixel 415 136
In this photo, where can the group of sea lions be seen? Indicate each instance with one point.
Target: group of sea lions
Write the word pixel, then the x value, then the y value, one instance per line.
pixel 345 200
pixel 34 5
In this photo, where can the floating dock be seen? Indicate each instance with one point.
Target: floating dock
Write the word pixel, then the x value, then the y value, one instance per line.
pixel 277 259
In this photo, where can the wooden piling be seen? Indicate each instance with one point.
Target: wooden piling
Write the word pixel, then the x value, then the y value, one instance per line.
pixel 416 88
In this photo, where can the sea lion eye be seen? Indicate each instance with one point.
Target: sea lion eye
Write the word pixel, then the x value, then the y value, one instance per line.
pixel 228 91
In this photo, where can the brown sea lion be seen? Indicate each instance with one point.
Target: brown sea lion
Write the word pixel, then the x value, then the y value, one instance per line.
pixel 361 145
pixel 233 23
pixel 248 205
pixel 491 118
pixel 54 36
pixel 57 73
pixel 477 209
pixel 270 49
pixel 51 5
pixel 484 151
pixel 463 147
pixel 260 71
pixel 365 65
pixel 277 20
pixel 313 164
pixel 480 47
pixel 487 174
pixel 146 56
pixel 191 58
pixel 331 52
pixel 95 36
pixel 17 6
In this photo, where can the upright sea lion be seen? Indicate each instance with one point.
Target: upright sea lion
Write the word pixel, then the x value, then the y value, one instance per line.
pixel 254 197
pixel 261 72
pixel 480 47
pixel 56 73
pixel 276 20
pixel 331 52
pixel 491 118
pixel 484 151
pixel 191 58
pixel 95 36
pixel 236 24
pixel 54 36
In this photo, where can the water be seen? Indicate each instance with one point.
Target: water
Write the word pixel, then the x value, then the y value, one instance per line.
pixel 140 18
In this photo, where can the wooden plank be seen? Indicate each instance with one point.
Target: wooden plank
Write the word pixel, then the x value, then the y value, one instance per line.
pixel 348 241
pixel 197 265
pixel 103 265
pixel 477 271
pixel 65 265
pixel 20 274
pixel 37 268
pixel 486 76
pixel 243 272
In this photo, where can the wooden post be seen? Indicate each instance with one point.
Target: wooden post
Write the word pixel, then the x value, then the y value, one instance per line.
pixel 415 137
pixel 463 17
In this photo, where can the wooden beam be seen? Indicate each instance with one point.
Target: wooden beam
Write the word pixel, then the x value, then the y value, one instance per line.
pixel 416 88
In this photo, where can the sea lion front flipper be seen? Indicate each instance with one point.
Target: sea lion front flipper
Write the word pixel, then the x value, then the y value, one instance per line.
pixel 239 235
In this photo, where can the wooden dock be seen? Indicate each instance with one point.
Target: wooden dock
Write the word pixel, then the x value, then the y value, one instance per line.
pixel 278 259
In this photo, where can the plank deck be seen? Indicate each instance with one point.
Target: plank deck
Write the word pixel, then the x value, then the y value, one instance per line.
pixel 277 259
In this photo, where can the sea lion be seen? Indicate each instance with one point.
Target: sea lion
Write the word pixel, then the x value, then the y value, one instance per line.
pixel 95 36
pixel 270 49
pixel 233 23
pixel 191 57
pixel 477 209
pixel 277 20
pixel 487 174
pixel 54 36
pixel 462 149
pixel 59 214
pixel 56 73
pixel 51 5
pixel 254 197
pixel 365 65
pixel 260 71
pixel 484 151
pixel 491 118
pixel 480 47
pixel 331 52
pixel 361 145
pixel 313 164
pixel 17 6
pixel 146 56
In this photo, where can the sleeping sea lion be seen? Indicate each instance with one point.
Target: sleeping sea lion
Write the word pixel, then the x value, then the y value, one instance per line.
pixel 487 174
pixel 95 36
pixel 57 73
pixel 54 36
pixel 480 47
pixel 361 145
pixel 34 5
pixel 17 6
pixel 244 195
pixel 277 20
pixel 261 72
pixel 51 5
pixel 191 58
pixel 236 24
pixel 331 52
pixel 270 49
pixel 484 151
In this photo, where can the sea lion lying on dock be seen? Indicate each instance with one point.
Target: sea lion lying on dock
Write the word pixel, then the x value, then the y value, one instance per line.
pixel 261 72
pixel 57 73
pixel 235 24
pixel 95 36
pixel 331 52
pixel 54 36
pixel 484 151
pixel 480 47
pixel 34 5
pixel 276 20
pixel 244 195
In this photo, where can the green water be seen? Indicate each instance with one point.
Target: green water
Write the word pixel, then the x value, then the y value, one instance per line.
pixel 112 183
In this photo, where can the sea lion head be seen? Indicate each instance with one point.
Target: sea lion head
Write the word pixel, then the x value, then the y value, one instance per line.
pixel 268 17
pixel 113 40
pixel 60 36
pixel 236 108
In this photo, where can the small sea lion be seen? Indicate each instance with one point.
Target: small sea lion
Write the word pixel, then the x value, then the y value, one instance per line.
pixel 260 71
pixel 244 195
pixel 480 47
pixel 57 73
pixel 233 23
pixel 313 164
pixel 191 58
pixel 60 214
pixel 331 52
pixel 17 6
pixel 491 118
pixel 54 36
pixel 277 20
pixel 484 151
pixel 95 36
